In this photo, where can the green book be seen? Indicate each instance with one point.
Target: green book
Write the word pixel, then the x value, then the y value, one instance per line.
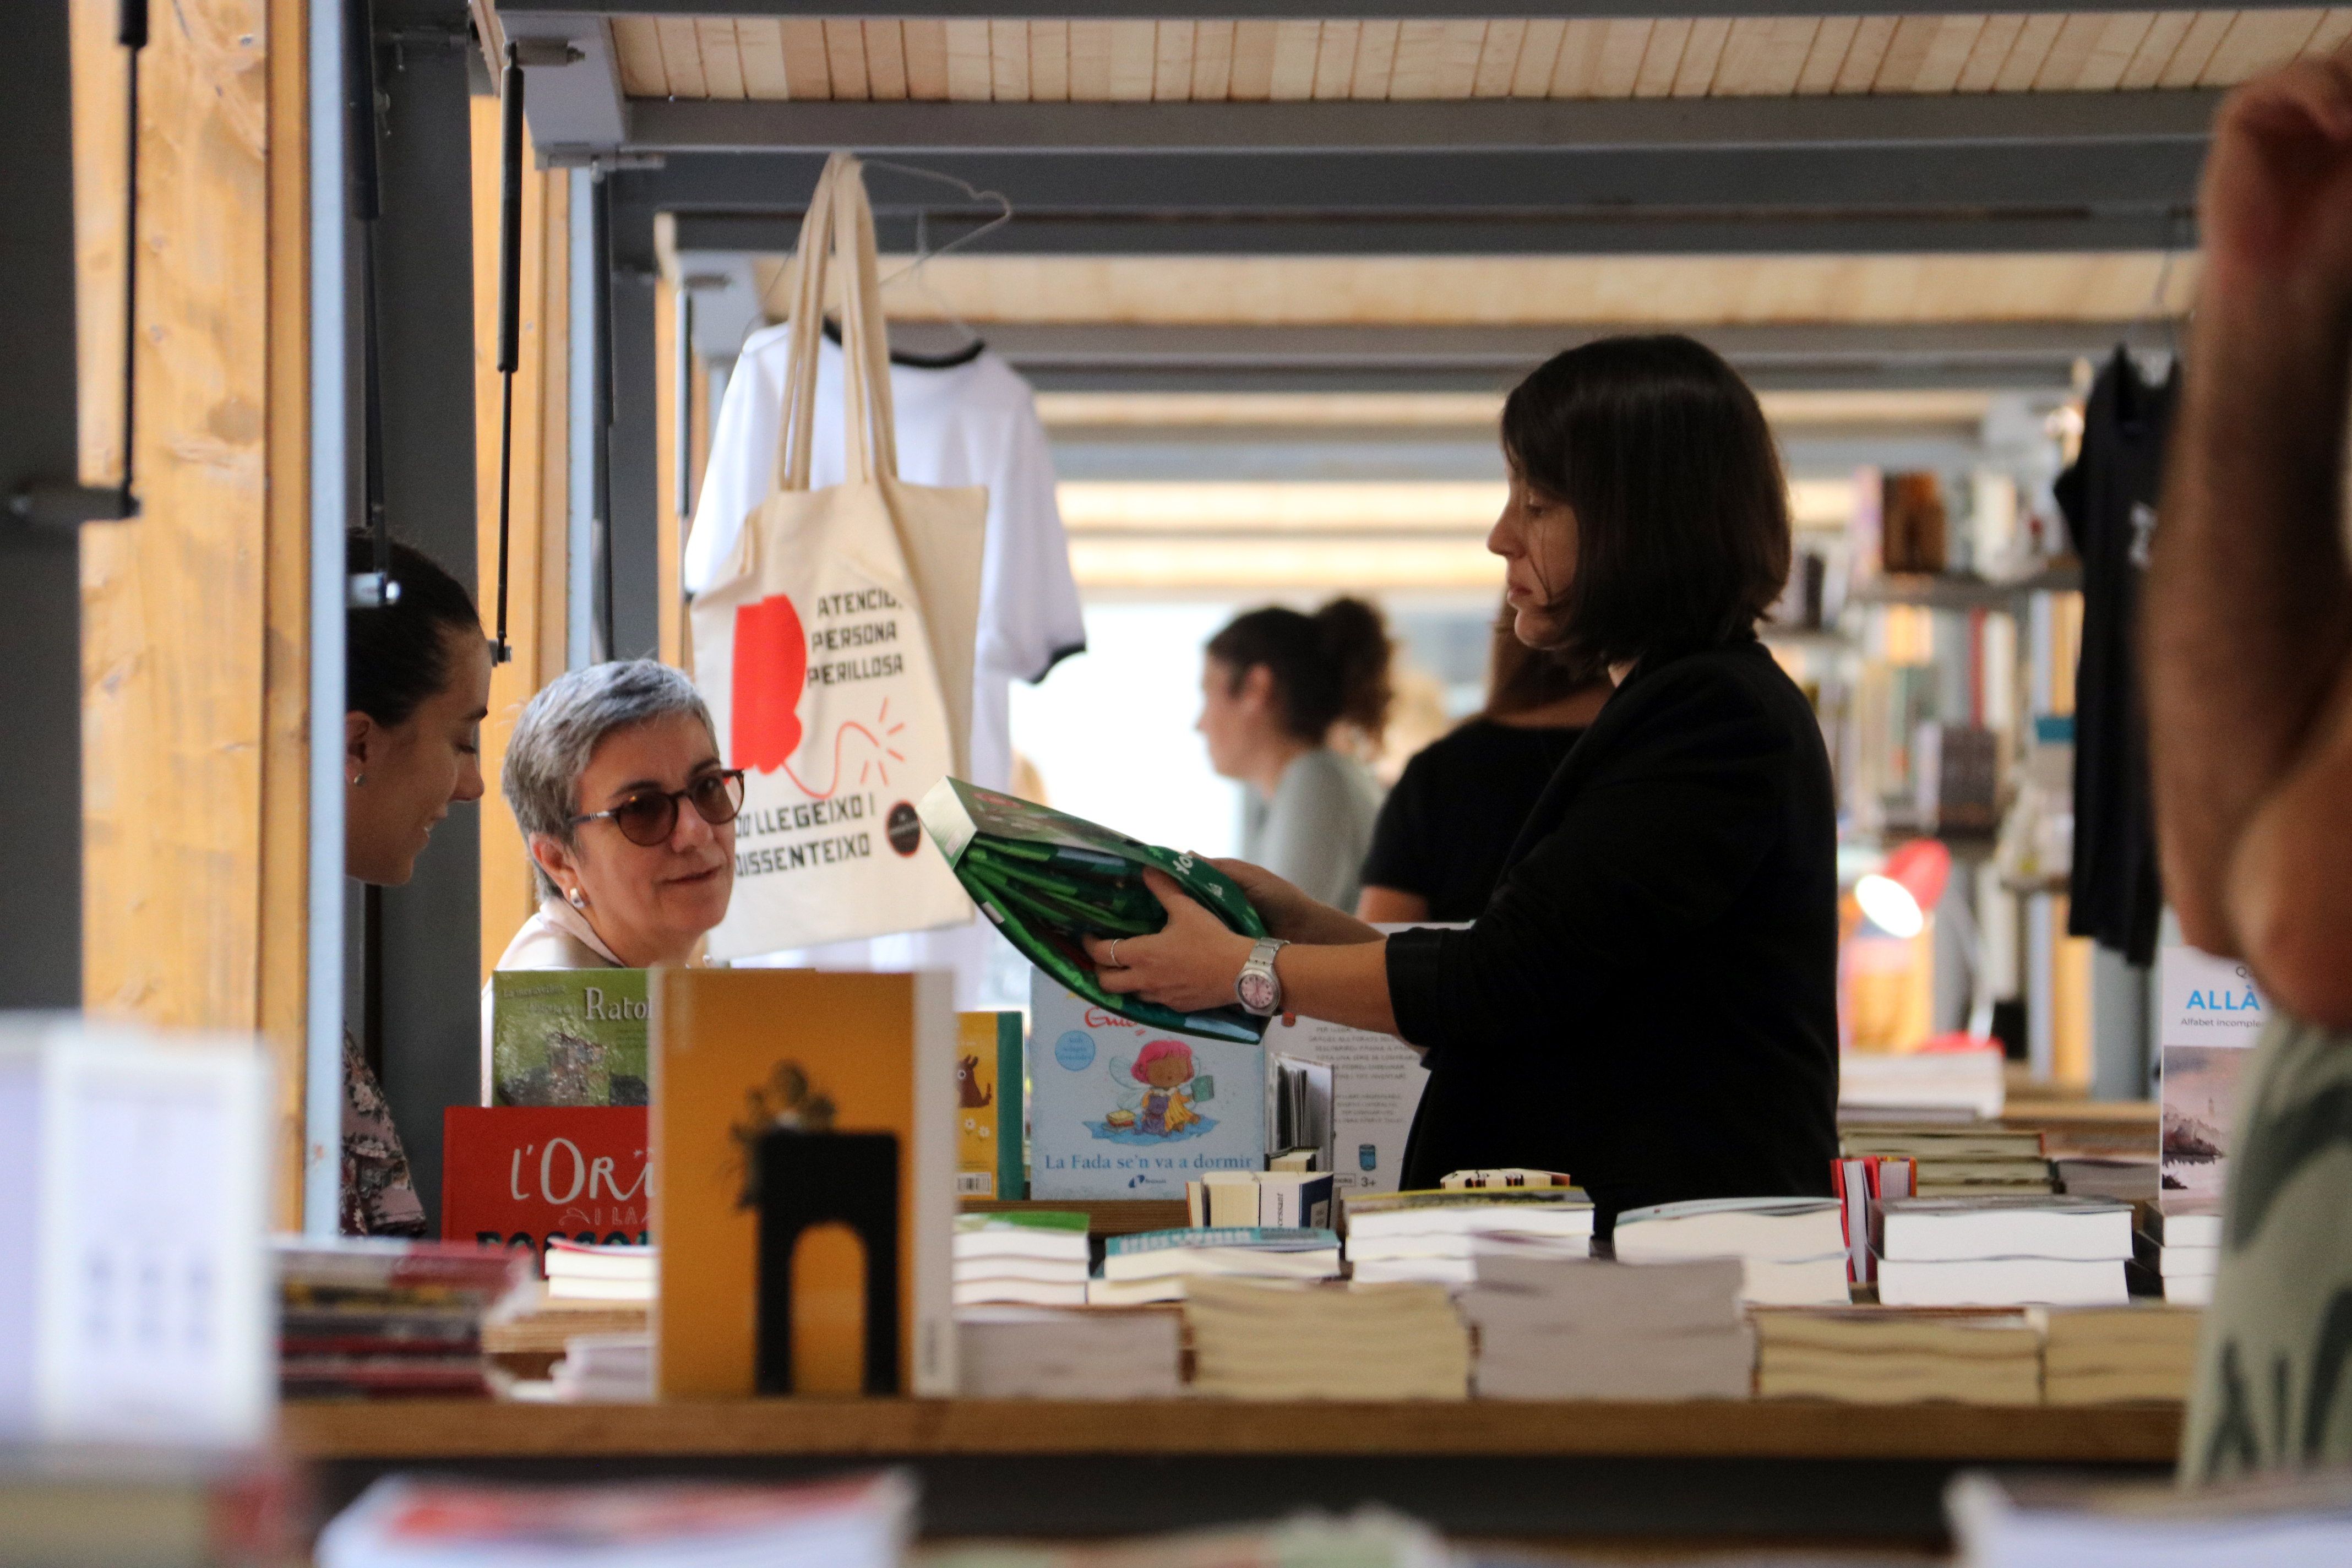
pixel 568 1036
pixel 1047 879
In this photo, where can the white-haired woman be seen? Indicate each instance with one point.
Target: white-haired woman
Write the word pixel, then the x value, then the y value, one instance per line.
pixel 615 775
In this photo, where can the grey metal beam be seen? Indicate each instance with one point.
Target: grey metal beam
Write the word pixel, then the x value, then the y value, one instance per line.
pixel 1477 125
pixel 40 586
pixel 575 107
pixel 1306 10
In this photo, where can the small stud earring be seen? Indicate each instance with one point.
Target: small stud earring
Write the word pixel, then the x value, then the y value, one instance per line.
pixel 578 901
pixel 358 779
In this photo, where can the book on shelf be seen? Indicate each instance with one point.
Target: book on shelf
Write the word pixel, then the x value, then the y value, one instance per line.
pixel 2284 1520
pixel 2126 1180
pixel 1276 1200
pixel 1160 1265
pixel 1376 1086
pixel 1557 1328
pixel 2002 1282
pixel 1031 1257
pixel 1870 1356
pixel 413 1522
pixel 1124 1109
pixel 1264 1339
pixel 604 1369
pixel 1861 1183
pixel 568 1036
pixel 1047 879
pixel 2104 1355
pixel 1559 1211
pixel 1100 1353
pixel 1879 1086
pixel 2210 1014
pixel 791 1105
pixel 525 1176
pixel 991 1148
pixel 375 1318
pixel 1299 1113
pixel 625 1262
pixel 1505 1176
pixel 1793 1252
pixel 1933 1229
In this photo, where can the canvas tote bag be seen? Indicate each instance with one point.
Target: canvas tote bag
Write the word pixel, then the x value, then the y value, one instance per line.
pixel 836 651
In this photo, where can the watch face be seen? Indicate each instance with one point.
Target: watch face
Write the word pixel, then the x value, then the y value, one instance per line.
pixel 1257 991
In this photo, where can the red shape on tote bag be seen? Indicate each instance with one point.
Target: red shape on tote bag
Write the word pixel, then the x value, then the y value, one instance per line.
pixel 770 673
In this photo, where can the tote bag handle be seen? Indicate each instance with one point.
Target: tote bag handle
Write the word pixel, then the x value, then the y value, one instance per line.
pixel 839 226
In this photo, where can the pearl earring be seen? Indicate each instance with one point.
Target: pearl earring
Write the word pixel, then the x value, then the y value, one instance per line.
pixel 358 779
pixel 578 903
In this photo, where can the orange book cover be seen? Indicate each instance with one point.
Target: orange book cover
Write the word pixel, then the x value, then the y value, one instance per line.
pixel 805 1158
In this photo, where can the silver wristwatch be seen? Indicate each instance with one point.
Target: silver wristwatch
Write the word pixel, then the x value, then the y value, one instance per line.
pixel 1259 989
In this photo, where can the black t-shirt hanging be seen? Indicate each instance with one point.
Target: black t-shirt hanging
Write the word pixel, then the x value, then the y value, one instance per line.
pixel 2109 496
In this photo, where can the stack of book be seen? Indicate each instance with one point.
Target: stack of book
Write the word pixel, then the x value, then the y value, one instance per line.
pixel 2011 1251
pixel 1435 1237
pixel 405 1522
pixel 1095 1352
pixel 1960 1160
pixel 1869 1355
pixel 1884 1087
pixel 2281 1519
pixel 577 1271
pixel 362 1320
pixel 604 1369
pixel 529 1332
pixel 1792 1250
pixel 1552 1328
pixel 1281 1199
pixel 2121 1177
pixel 1259 1339
pixel 1035 1257
pixel 2181 1248
pixel 2104 1355
pixel 1161 1264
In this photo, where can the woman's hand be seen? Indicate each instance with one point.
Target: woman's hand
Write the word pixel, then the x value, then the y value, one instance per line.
pixel 1189 964
pixel 1291 914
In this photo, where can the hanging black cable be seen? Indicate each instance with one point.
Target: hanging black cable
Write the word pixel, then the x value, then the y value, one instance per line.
pixel 600 243
pixel 131 32
pixel 510 306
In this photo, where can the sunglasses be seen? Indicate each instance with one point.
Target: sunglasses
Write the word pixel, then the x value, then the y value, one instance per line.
pixel 649 818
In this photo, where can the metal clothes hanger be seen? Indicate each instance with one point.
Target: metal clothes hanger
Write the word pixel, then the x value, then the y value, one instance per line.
pixel 912 273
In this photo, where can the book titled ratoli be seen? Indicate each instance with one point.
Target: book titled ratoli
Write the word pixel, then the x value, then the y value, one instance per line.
pixel 1047 879
pixel 568 1036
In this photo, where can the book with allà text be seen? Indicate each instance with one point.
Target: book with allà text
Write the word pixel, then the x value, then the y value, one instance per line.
pixel 804 1149
pixel 1048 881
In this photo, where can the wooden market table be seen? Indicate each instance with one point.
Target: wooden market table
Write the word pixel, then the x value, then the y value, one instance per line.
pixel 1771 1471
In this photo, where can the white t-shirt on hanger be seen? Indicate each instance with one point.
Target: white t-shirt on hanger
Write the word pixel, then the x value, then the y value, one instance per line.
pixel 968 423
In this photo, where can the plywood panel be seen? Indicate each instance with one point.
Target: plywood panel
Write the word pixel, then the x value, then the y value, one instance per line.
pixel 174 602
pixel 1172 71
pixel 1691 291
pixel 1253 78
pixel 1826 58
pixel 1212 60
pixel 1949 48
pixel 927 58
pixel 2061 68
pixel 2111 54
pixel 637 44
pixel 1663 59
pixel 2259 41
pixel 1457 71
pixel 2166 30
pixel 1906 51
pixel 1418 59
pixel 1763 58
pixel 1134 49
pixel 2204 36
pixel 2025 55
pixel 760 44
pixel 1989 53
pixel 1624 45
pixel 722 69
pixel 1539 53
pixel 1049 60
pixel 808 73
pixel 1335 60
pixel 282 999
pixel 971 61
pixel 1498 59
pixel 1694 75
pixel 845 59
pixel 1376 48
pixel 886 58
pixel 1295 45
pixel 1090 61
pixel 1865 54
pixel 681 47
pixel 1008 61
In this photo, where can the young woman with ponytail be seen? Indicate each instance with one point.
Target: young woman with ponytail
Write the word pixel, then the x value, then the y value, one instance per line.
pixel 1274 687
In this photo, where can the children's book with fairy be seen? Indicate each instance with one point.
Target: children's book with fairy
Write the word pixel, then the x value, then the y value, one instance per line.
pixel 1047 879
pixel 1120 1108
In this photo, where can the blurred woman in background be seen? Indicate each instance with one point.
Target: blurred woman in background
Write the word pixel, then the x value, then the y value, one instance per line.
pixel 1274 686
pixel 1446 830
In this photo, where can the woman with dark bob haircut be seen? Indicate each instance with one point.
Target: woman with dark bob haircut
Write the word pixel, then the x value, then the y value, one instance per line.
pixel 1648 1001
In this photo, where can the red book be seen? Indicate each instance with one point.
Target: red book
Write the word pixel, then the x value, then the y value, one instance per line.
pixel 523 1175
